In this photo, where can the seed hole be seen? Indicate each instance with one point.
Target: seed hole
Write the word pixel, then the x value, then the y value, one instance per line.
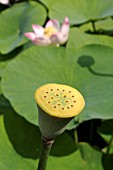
pixel 69 91
pixel 64 96
pixel 72 96
pixel 66 101
pixel 51 97
pixel 57 95
pixel 46 91
pixel 44 96
pixel 63 90
pixel 74 101
pixel 62 108
pixel 54 106
pixel 58 104
pixel 71 105
pixel 58 89
pixel 68 107
pixel 58 100
pixel 51 89
pixel 49 102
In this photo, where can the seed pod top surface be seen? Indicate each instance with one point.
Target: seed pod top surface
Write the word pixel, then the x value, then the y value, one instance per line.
pixel 59 100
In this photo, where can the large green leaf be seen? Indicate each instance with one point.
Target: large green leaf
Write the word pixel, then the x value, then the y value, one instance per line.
pixel 4 59
pixel 17 20
pixel 89 69
pixel 79 11
pixel 48 3
pixel 78 39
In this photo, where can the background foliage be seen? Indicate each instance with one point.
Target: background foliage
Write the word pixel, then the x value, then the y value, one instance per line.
pixel 85 62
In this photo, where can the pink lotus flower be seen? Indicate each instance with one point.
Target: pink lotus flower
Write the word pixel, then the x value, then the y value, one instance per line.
pixel 5 2
pixel 52 34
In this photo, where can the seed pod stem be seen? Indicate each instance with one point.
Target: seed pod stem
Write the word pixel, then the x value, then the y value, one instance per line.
pixel 57 106
pixel 45 150
pixel 51 126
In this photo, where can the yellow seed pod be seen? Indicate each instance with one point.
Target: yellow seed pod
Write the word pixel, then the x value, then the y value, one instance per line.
pixel 57 105
pixel 59 100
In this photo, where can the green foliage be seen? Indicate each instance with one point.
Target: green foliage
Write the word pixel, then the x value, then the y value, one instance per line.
pixel 85 62
pixel 27 145
pixel 79 11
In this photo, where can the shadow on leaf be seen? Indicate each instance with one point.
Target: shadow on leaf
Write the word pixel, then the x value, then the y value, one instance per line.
pixel 11 55
pixel 4 104
pixel 62 145
pixel 88 61
pixel 24 136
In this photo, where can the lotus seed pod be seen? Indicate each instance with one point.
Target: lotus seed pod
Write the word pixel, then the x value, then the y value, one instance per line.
pixel 57 105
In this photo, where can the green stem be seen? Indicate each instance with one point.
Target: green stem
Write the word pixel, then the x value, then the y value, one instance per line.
pixel 93 25
pixel 76 136
pixel 45 150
